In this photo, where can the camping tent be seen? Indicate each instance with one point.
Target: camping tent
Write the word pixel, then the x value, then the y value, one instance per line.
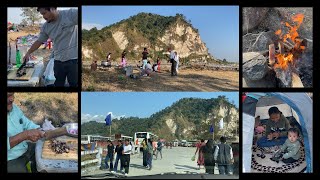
pixel 297 105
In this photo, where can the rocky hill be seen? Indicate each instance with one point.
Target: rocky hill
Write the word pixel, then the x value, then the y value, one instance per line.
pixel 153 31
pixel 188 118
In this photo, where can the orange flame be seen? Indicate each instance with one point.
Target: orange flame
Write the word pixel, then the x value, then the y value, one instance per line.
pixel 285 59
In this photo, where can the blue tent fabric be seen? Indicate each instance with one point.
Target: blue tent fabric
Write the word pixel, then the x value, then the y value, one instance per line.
pixel 304 130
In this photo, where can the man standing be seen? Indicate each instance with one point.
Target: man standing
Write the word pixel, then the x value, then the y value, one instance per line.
pixel 144 58
pixel 62 28
pixel 119 149
pixel 127 148
pixel 20 130
pixel 173 63
pixel 110 155
pixel 223 155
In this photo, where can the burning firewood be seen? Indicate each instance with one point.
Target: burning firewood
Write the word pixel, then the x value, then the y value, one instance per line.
pixel 272 58
pixel 289 44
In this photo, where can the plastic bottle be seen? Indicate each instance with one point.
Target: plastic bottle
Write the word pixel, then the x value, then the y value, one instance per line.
pixel 18 59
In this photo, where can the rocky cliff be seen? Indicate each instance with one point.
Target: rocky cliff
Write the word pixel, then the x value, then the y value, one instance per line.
pixel 153 31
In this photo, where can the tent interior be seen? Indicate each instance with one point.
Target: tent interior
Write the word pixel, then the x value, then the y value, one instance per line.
pixel 261 156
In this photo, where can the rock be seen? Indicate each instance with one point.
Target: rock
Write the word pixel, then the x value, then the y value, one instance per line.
pixel 258 42
pixel 255 68
pixel 249 55
pixel 269 81
pixel 252 17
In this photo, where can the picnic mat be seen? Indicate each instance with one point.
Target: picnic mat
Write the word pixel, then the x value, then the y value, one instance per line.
pixel 265 165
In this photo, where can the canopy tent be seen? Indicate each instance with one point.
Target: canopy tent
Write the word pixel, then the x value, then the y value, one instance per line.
pixel 297 105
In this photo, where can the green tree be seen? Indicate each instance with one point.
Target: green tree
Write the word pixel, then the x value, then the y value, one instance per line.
pixel 31 15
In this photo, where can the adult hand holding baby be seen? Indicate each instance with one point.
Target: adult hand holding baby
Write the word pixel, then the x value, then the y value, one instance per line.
pixel 270 136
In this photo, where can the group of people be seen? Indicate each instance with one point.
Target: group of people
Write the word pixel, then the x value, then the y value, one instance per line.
pixel 279 133
pixel 122 152
pixel 149 149
pixel 146 67
pixel 210 154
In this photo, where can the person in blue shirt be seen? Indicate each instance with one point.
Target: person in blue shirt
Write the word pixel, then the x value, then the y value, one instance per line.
pixel 20 130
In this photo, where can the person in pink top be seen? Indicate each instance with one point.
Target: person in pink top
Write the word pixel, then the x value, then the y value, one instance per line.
pixel 154 146
pixel 200 160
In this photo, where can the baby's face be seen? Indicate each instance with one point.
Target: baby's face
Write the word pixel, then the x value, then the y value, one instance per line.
pixel 292 137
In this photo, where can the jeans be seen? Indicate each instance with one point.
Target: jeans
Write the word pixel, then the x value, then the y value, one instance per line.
pixel 149 159
pixel 109 156
pixel 159 150
pixel 126 162
pixel 19 165
pixel 289 160
pixel 67 69
pixel 174 68
pixel 145 157
pixel 118 157
pixel 264 142
pixel 225 169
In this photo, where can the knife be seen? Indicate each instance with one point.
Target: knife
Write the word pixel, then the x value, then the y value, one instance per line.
pixel 55 133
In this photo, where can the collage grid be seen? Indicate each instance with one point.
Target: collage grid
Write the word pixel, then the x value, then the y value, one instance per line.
pixel 75 106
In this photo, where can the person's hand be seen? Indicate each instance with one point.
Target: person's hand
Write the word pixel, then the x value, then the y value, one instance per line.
pixel 26 57
pixel 276 134
pixel 270 136
pixel 34 135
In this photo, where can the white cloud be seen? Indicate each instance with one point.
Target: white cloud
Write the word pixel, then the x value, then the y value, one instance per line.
pixel 14 14
pixel 98 118
pixel 89 26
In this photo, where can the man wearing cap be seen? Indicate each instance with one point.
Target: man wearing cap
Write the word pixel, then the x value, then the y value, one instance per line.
pixel 20 130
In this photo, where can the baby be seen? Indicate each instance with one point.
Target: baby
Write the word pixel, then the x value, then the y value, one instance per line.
pixel 291 148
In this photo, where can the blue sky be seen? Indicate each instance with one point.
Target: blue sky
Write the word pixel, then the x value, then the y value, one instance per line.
pixel 218 25
pixel 14 14
pixel 96 105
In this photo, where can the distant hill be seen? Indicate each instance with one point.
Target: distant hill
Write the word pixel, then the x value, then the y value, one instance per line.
pixel 153 31
pixel 188 118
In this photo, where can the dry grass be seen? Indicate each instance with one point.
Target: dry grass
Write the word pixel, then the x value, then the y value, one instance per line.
pixel 59 108
pixel 187 80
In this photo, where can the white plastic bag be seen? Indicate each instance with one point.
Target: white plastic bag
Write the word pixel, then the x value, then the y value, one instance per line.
pixel 47 125
pixel 49 73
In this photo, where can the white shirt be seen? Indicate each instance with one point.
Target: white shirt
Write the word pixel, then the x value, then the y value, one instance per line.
pixel 127 149
pixel 171 55
pixel 217 151
pixel 176 58
pixel 148 66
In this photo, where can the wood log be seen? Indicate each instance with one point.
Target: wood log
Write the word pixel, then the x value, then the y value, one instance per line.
pixel 272 58
pixel 281 48
pixel 289 44
pixel 296 81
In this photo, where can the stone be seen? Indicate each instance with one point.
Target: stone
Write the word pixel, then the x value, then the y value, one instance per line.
pixel 255 68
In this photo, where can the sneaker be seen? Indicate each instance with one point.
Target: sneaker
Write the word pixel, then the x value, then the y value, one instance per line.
pixel 113 172
pixel 125 174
